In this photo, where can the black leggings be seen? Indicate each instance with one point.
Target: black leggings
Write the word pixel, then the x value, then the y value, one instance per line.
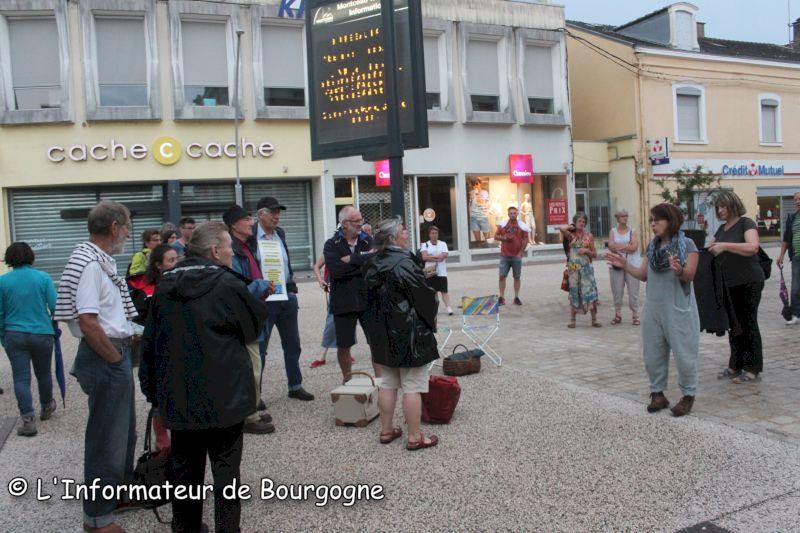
pixel 746 351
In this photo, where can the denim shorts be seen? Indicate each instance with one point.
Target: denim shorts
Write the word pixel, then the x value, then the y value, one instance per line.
pixel 509 263
pixel 479 223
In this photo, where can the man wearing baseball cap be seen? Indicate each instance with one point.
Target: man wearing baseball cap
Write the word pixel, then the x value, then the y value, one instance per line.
pixel 282 313
pixel 247 263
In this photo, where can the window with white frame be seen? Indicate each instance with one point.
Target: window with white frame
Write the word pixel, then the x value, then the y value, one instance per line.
pixel 770 119
pixel 483 75
pixel 538 70
pixel 121 61
pixel 282 65
pixel 690 114
pixel 205 62
pixel 35 63
pixel 433 88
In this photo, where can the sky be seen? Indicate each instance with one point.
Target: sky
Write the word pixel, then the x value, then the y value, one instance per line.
pixel 761 21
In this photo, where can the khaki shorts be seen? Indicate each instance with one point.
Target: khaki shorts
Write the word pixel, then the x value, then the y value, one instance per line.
pixel 411 380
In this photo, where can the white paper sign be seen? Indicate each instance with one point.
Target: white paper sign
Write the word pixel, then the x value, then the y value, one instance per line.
pixel 272 268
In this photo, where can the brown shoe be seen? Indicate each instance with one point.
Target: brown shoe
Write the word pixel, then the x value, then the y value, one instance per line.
pixel 110 528
pixel 258 428
pixel 265 417
pixel 684 407
pixel 657 402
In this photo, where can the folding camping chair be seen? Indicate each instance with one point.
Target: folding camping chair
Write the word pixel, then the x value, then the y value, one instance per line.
pixel 480 316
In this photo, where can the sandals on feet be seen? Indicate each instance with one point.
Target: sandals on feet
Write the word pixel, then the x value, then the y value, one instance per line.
pixel 745 377
pixel 728 373
pixel 597 324
pixel 396 433
pixel 571 325
pixel 420 444
pixel 617 320
pixel 636 321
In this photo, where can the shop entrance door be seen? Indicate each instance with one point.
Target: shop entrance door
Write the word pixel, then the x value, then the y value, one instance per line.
pixel 435 200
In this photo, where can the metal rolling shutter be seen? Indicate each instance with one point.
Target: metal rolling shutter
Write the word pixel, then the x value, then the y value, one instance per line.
pixel 36 218
pixel 296 221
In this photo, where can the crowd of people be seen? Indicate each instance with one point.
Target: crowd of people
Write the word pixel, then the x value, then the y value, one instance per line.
pixel 196 314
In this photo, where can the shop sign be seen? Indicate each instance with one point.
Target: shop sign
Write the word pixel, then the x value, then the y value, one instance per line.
pixel 165 150
pixel 520 168
pixel 382 174
pixel 556 214
pixel 292 9
pixel 659 151
pixel 753 169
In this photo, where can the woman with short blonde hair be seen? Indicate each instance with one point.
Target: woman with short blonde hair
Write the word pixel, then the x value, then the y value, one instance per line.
pixel 623 240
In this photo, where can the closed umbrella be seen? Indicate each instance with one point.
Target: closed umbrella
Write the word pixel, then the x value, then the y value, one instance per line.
pixel 62 382
pixel 784 294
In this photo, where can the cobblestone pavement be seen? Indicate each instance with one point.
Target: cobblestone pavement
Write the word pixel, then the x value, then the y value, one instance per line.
pixel 609 359
pixel 557 439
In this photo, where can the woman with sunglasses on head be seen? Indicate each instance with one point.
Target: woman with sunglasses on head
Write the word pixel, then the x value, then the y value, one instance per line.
pixel 622 240
pixel 670 321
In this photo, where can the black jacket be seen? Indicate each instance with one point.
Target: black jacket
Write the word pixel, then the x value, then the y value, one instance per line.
pixel 401 318
pixel 348 292
pixel 195 367
pixel 788 233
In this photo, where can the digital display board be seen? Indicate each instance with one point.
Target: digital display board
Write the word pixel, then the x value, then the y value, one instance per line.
pixel 348 78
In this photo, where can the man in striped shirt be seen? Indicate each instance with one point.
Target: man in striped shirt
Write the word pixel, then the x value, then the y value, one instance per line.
pixel 791 242
pixel 94 302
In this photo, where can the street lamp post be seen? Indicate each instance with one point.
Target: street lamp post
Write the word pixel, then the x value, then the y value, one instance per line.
pixel 238 187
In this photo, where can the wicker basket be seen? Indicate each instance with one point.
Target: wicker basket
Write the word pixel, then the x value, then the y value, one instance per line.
pixel 462 363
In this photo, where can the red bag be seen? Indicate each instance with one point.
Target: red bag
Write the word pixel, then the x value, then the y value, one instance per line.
pixel 441 399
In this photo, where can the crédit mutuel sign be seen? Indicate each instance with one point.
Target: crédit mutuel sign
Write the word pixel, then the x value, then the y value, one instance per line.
pixel 165 150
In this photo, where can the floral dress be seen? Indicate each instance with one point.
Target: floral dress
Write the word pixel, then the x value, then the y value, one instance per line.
pixel 582 285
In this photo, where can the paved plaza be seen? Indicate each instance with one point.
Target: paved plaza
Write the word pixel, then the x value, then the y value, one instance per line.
pixel 557 439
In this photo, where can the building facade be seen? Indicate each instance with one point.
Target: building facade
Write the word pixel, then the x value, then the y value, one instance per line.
pixel 658 83
pixel 134 101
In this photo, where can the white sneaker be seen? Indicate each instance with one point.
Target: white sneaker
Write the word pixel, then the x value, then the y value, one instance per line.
pixel 792 322
pixel 449 310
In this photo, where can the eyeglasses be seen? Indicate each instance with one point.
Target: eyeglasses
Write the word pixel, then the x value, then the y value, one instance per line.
pixel 355 220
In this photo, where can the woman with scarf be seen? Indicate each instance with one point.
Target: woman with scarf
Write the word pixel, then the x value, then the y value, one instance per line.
pixel 582 283
pixel 670 321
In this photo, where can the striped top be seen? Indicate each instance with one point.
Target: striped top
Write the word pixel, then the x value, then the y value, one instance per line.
pixel 83 254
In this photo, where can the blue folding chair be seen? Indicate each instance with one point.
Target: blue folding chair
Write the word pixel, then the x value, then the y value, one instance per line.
pixel 480 317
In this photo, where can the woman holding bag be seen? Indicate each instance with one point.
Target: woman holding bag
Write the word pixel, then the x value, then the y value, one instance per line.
pixel 623 241
pixel 735 251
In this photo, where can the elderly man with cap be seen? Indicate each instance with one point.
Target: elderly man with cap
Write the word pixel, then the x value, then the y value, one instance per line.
pixel 246 263
pixel 282 313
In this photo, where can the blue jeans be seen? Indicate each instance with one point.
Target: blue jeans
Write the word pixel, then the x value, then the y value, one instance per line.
pixel 795 291
pixel 110 441
pixel 22 350
pixel 284 316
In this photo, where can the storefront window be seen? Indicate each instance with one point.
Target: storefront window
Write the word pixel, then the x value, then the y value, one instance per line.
pixel 490 196
pixel 436 206
pixel 592 198
pixel 768 218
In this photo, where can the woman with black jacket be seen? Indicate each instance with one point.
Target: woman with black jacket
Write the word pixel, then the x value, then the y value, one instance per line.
pixel 196 370
pixel 401 321
pixel 735 251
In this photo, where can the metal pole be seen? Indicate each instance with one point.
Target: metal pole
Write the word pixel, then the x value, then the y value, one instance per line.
pixel 395 139
pixel 238 186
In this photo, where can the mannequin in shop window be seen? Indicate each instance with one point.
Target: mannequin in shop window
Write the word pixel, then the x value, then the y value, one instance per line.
pixel 526 210
pixel 478 213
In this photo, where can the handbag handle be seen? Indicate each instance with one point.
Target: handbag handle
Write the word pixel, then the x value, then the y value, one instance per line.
pixel 148 431
pixel 456 346
pixel 351 374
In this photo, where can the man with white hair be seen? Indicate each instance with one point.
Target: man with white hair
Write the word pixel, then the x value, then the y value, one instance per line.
pixel 94 302
pixel 345 253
